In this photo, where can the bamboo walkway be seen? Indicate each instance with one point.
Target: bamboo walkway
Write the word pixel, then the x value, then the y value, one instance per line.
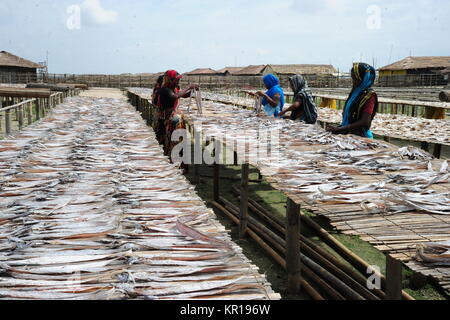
pixel 91 209
pixel 339 177
pixel 369 164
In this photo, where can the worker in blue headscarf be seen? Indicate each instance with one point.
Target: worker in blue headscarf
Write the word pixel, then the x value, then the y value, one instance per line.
pixel 362 103
pixel 273 98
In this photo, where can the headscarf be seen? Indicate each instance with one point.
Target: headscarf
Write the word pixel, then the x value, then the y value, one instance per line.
pixel 273 84
pixel 360 95
pixel 303 93
pixel 156 89
pixel 171 78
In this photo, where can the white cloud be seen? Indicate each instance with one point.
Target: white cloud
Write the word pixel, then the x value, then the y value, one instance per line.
pixel 93 13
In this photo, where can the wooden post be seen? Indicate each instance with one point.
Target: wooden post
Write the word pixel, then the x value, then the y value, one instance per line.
pixel 393 278
pixel 293 247
pixel 198 156
pixel 38 109
pixel 8 122
pixel 20 110
pixel 425 146
pixel 437 151
pixel 29 112
pixel 243 216
pixel 216 181
pixel 216 175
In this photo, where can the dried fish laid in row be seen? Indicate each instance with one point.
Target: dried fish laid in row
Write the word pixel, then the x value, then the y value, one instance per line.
pixel 341 171
pixel 91 209
pixel 362 176
pixel 437 254
pixel 391 125
pixel 401 126
pixel 330 167
pixel 229 99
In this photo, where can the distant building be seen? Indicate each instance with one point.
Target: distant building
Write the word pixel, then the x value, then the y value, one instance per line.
pixel 415 71
pixel 303 69
pixel 230 71
pixel 283 70
pixel 14 69
pixel 416 65
pixel 253 70
pixel 203 72
pixel 446 73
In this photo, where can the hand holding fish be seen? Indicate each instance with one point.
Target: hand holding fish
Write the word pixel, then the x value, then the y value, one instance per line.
pixel 335 129
pixel 195 87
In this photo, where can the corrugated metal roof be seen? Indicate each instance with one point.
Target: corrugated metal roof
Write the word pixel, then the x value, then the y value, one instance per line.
pixel 411 63
pixel 9 60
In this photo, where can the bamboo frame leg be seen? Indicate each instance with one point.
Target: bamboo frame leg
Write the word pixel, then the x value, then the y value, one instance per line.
pixel 243 217
pixel 393 279
pixel 30 113
pixel 38 109
pixel 197 156
pixel 20 111
pixel 216 181
pixel 293 247
pixel 425 146
pixel 437 151
pixel 8 122
pixel 216 174
pixel 50 104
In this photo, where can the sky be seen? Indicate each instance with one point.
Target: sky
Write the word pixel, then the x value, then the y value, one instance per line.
pixel 146 36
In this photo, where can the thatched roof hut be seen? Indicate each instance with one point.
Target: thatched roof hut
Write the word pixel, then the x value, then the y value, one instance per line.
pixel 303 69
pixel 416 65
pixel 9 60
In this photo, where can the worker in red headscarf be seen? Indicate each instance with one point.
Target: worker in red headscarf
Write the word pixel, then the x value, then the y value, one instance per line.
pixel 168 100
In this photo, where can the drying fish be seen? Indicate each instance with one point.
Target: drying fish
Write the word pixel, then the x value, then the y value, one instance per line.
pixel 437 254
pixel 432 203
pixel 92 209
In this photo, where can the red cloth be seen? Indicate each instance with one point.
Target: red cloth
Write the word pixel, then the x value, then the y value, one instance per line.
pixel 173 75
pixel 370 105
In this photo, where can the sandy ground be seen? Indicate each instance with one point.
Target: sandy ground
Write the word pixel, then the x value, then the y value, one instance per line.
pixel 103 93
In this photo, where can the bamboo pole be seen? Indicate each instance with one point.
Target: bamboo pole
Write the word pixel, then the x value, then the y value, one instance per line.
pixel 216 182
pixel 280 244
pixel 348 287
pixel 353 259
pixel 38 109
pixel 29 112
pixel 340 269
pixel 293 246
pixel 304 284
pixel 8 122
pixel 243 218
pixel 437 150
pixel 20 120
